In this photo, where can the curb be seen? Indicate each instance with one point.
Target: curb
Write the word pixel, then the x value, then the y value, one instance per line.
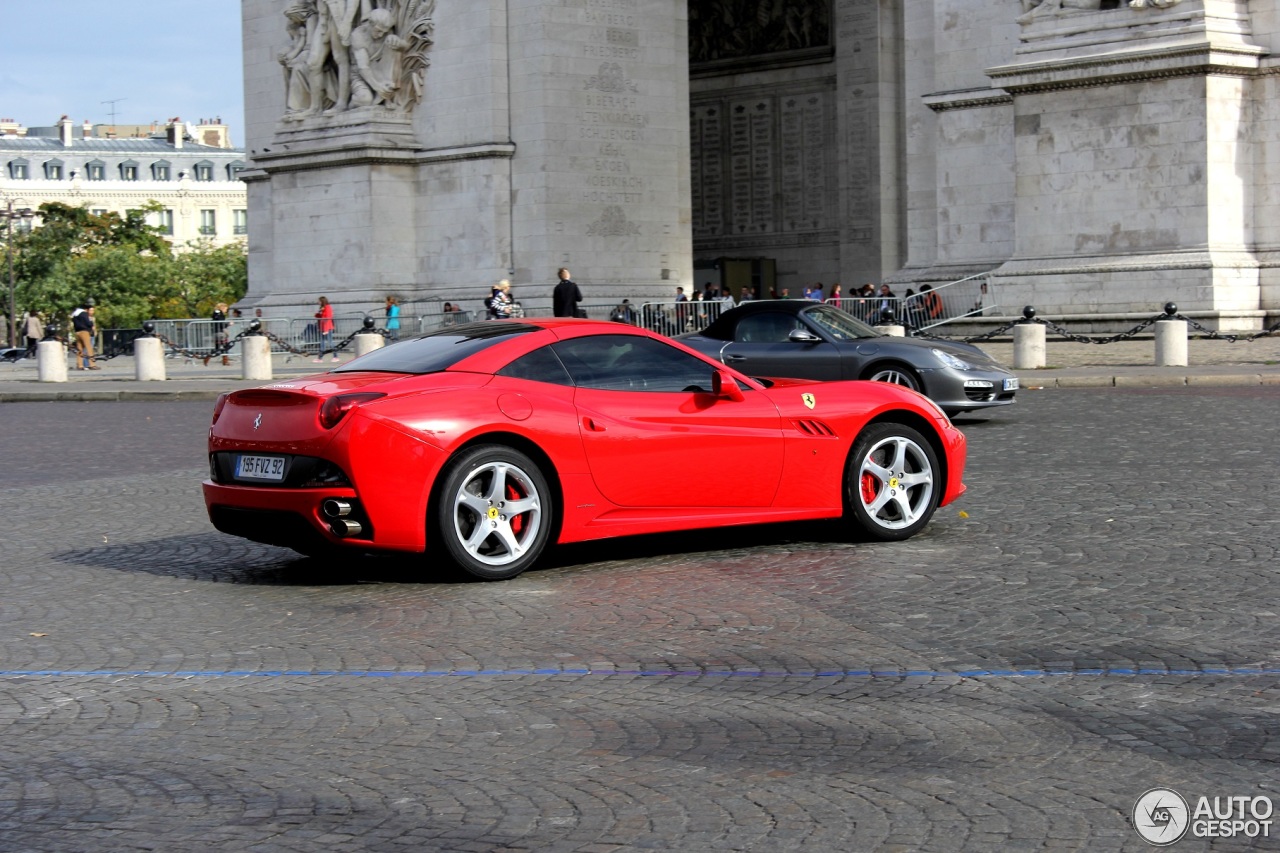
pixel 1149 380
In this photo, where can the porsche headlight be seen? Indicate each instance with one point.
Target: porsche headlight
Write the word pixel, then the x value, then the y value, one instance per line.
pixel 949 360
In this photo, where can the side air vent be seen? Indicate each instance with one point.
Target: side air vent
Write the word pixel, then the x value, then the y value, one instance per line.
pixel 815 428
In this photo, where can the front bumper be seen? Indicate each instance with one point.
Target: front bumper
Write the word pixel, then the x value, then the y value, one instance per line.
pixel 968 390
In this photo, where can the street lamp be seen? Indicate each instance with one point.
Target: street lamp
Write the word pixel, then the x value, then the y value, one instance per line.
pixel 26 214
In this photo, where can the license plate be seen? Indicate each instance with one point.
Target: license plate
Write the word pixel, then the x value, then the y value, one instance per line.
pixel 260 468
pixel 1011 384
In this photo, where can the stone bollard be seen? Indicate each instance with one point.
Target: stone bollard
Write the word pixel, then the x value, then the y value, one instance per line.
pixel 1171 343
pixel 51 361
pixel 1028 346
pixel 256 351
pixel 368 343
pixel 148 359
pixel 892 330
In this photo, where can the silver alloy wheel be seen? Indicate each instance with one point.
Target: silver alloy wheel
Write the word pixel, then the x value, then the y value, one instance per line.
pixel 497 513
pixel 895 376
pixel 895 482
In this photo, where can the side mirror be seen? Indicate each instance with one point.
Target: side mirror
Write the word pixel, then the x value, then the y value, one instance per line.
pixel 802 336
pixel 725 387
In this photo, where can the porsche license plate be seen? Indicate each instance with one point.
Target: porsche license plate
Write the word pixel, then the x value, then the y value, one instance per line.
pixel 1011 384
pixel 259 467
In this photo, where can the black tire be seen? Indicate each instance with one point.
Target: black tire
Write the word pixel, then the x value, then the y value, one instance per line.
pixel 893 482
pixel 494 512
pixel 895 374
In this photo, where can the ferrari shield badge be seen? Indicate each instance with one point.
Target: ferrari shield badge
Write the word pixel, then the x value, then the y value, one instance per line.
pixel 809 400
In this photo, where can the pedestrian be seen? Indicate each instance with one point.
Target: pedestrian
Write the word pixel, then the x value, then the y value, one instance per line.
pixel 500 301
pixel 931 304
pixel 834 298
pixel 566 296
pixel 623 313
pixel 393 318
pixel 220 338
pixel 886 305
pixel 85 327
pixel 34 331
pixel 324 324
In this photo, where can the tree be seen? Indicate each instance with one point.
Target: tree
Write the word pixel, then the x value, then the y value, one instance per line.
pixel 201 276
pixel 125 265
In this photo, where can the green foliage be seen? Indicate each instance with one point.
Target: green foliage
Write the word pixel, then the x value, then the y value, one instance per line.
pixel 124 265
pixel 201 276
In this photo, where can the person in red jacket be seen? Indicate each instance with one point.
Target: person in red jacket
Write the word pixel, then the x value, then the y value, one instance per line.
pixel 324 324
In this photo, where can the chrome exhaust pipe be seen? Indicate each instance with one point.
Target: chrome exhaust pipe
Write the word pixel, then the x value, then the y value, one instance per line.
pixel 335 508
pixel 345 527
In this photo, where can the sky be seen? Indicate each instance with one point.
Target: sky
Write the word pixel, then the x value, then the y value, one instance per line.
pixel 155 59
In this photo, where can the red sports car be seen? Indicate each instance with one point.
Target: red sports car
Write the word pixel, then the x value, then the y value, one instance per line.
pixel 482 444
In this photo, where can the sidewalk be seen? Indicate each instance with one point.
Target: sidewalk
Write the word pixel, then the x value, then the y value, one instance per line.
pixel 186 379
pixel 1069 365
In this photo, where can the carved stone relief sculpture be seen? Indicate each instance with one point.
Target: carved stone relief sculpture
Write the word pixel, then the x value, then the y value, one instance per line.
pixel 728 29
pixel 1035 9
pixel 352 54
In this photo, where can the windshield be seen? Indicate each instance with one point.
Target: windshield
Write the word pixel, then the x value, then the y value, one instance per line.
pixel 435 351
pixel 838 324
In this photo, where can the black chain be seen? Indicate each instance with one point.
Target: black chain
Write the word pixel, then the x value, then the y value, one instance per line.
pixel 1084 339
pixel 1215 335
pixel 221 349
pixel 227 345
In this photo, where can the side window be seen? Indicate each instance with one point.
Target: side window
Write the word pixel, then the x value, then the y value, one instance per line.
pixel 765 328
pixel 541 365
pixel 631 363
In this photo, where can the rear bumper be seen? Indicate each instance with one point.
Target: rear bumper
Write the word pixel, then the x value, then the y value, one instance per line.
pixel 289 518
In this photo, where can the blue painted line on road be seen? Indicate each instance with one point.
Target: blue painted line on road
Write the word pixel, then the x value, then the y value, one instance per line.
pixel 1056 672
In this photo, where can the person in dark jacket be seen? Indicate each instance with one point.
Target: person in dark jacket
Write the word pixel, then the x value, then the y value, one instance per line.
pixel 220 338
pixel 83 324
pixel 566 296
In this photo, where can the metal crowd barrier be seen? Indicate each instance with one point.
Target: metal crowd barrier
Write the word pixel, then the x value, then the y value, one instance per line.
pixel 943 303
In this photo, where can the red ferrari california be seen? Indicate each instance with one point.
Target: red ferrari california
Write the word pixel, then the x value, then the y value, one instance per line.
pixel 480 445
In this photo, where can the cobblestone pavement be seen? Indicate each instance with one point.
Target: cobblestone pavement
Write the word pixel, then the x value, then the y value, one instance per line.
pixel 1095 618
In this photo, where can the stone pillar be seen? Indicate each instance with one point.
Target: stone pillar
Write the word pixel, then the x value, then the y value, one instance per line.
pixel 1171 343
pixel 541 135
pixel 366 343
pixel 257 357
pixel 1114 208
pixel 1029 349
pixel 148 359
pixel 51 361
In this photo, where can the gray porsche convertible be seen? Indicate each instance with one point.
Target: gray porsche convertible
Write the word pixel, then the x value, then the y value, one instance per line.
pixel 810 340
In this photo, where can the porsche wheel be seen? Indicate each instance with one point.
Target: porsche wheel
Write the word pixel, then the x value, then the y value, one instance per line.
pixel 893 483
pixel 895 374
pixel 494 512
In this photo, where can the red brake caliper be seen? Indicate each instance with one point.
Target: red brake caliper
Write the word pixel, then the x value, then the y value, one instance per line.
pixel 870 487
pixel 517 523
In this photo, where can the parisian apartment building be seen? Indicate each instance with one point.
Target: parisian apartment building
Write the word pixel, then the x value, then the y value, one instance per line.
pixel 190 169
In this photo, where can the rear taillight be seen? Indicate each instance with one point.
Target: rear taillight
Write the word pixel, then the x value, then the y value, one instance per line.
pixel 335 408
pixel 218 406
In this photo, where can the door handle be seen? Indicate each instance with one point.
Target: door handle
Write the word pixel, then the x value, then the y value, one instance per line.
pixel 735 358
pixel 590 425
